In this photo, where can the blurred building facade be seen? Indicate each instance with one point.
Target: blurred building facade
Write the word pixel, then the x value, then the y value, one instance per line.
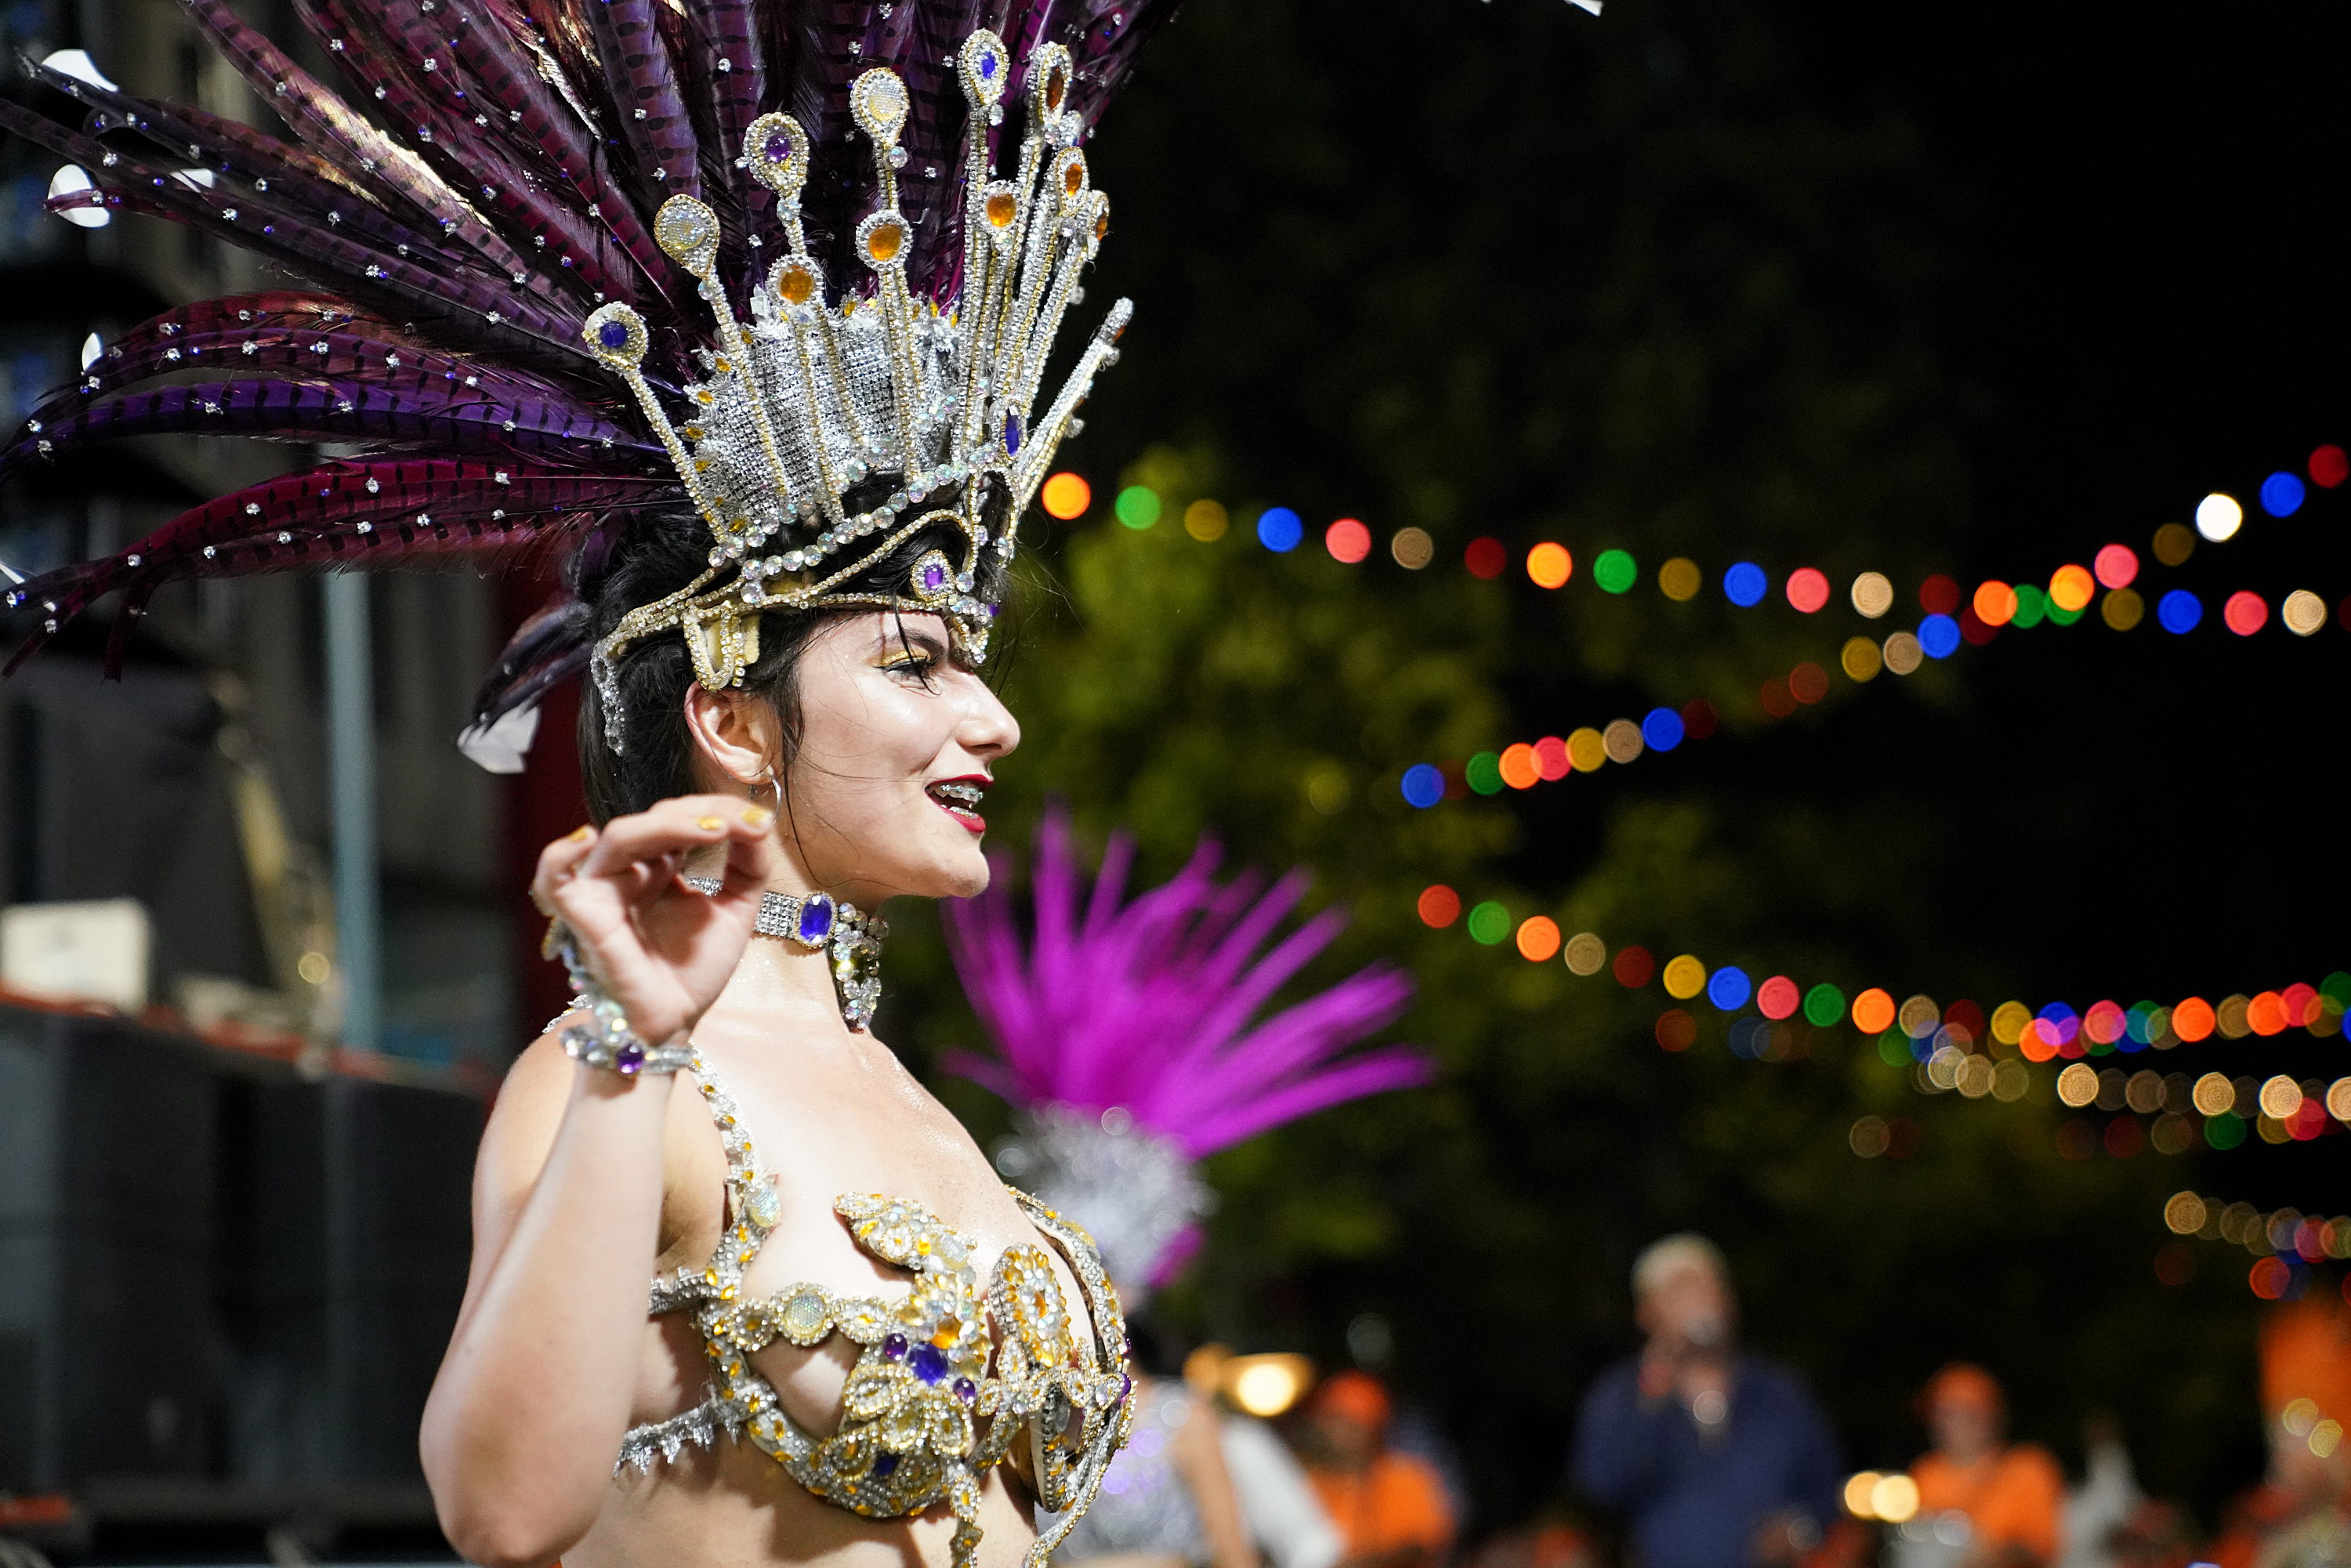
pixel 230 1255
pixel 208 764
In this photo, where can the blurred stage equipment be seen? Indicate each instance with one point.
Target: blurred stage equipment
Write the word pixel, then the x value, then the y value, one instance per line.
pixel 224 1282
pixel 93 951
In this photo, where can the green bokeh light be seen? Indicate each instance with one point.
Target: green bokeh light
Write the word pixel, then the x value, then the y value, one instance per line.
pixel 1484 773
pixel 1614 571
pixel 1489 922
pixel 1824 1005
pixel 1138 506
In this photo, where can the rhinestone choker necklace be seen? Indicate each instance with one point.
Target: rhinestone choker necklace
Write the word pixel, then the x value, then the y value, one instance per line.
pixel 819 922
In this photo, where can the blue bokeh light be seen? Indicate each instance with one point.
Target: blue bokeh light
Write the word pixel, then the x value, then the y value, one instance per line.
pixel 1728 987
pixel 1424 785
pixel 1938 636
pixel 2178 611
pixel 1662 730
pixel 1278 530
pixel 1745 584
pixel 2281 494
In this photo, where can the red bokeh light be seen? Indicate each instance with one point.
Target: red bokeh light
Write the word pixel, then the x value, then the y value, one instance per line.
pixel 1676 1030
pixel 1808 589
pixel 2125 1137
pixel 1347 540
pixel 2270 1278
pixel 1975 628
pixel 1777 998
pixel 2117 566
pixel 2329 467
pixel 1551 757
pixel 1699 721
pixel 1439 905
pixel 2245 613
pixel 1777 699
pixel 1486 557
pixel 1808 683
pixel 1633 966
pixel 1940 595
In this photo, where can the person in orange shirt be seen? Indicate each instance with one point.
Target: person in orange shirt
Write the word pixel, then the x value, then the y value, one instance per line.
pixel 2012 1496
pixel 1390 1507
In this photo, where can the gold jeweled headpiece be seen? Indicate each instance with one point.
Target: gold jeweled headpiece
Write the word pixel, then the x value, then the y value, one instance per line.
pixel 809 400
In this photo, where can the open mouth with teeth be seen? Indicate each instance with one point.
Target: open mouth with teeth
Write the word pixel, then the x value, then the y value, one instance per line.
pixel 960 799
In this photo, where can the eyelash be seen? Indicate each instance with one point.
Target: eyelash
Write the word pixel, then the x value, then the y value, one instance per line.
pixel 919 665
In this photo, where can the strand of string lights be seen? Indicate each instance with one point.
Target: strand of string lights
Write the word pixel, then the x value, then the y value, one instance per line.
pixel 1960 1047
pixel 1952 617
pixel 2285 1242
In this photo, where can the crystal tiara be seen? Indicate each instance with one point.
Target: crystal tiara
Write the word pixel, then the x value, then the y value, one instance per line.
pixel 808 402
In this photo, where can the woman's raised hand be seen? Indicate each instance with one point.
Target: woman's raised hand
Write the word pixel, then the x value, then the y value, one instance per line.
pixel 658 948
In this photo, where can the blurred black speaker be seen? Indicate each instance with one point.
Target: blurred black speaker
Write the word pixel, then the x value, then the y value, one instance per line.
pixel 214 1270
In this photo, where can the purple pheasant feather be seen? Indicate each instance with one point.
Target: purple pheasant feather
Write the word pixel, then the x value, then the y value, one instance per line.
pixel 1153 1005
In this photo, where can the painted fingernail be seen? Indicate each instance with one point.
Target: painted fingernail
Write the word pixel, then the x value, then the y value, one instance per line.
pixel 582 834
pixel 708 824
pixel 756 816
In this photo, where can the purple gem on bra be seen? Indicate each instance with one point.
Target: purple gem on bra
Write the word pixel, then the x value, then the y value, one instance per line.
pixel 893 1347
pixel 965 1389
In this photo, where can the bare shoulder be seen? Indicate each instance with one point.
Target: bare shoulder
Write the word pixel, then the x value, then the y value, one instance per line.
pixel 524 1120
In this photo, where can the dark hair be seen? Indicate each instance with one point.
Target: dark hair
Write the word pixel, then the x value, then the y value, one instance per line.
pixel 660 555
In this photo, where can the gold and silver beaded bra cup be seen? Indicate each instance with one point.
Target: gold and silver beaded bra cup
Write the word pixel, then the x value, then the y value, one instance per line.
pixel 808 401
pixel 928 1370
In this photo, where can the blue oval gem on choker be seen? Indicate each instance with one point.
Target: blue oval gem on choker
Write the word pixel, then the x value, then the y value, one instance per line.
pixel 816 920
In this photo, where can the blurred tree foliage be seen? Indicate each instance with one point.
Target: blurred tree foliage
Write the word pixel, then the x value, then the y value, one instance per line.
pixel 1495 269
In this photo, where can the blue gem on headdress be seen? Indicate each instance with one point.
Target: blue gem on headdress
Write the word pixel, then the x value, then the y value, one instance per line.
pixel 928 1363
pixel 614 335
pixel 884 1463
pixel 987 67
pixel 1011 436
pixel 816 919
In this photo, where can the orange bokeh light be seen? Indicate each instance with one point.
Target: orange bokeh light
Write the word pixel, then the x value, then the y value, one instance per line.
pixel 1549 564
pixel 1537 938
pixel 2071 588
pixel 2193 1019
pixel 1995 604
pixel 1873 1011
pixel 1067 497
pixel 1520 769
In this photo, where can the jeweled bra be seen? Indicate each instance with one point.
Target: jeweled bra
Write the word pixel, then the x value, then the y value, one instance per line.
pixel 910 1435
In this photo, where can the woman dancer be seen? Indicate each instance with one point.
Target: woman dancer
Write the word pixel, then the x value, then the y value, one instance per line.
pixel 525 306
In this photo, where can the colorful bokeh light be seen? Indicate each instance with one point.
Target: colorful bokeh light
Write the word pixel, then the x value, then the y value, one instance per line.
pixel 1438 905
pixel 2117 566
pixel 2179 611
pixel 1538 939
pixel 1137 507
pixel 1207 521
pixel 2281 494
pixel 1066 495
pixel 1808 589
pixel 1424 785
pixel 2218 516
pixel 1745 585
pixel 1280 529
pixel 2329 467
pixel 1348 540
pixel 1614 571
pixel 1486 559
pixel 2245 612
pixel 1549 565
pixel 1938 636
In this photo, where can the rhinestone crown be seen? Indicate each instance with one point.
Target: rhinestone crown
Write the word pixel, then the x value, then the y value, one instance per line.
pixel 808 402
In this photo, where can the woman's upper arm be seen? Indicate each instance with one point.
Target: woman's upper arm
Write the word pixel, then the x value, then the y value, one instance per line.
pixel 514 1149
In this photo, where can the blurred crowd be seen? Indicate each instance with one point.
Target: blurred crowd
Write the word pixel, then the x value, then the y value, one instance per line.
pixel 1711 1457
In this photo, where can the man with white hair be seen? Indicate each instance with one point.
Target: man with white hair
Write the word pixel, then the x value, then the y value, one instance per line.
pixel 1722 1459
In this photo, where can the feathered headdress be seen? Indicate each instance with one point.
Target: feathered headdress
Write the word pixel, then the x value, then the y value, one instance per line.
pixel 585 261
pixel 1128 1035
